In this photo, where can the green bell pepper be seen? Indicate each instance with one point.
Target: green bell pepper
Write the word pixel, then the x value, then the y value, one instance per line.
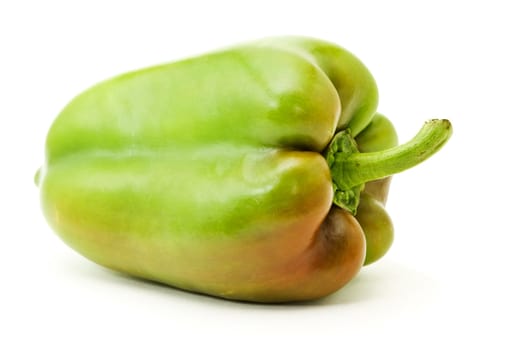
pixel 258 172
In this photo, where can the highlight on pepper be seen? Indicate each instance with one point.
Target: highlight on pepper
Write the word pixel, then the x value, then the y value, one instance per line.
pixel 259 172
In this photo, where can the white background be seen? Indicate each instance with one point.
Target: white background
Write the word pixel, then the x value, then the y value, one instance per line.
pixel 453 277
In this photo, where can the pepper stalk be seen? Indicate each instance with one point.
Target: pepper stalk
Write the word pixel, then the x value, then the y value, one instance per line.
pixel 350 169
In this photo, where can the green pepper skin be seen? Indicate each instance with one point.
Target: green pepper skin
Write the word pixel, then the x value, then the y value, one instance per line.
pixel 377 227
pixel 355 85
pixel 249 96
pixel 379 135
pixel 207 174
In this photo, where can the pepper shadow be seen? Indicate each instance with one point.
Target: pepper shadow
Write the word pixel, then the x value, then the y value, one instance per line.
pixel 374 283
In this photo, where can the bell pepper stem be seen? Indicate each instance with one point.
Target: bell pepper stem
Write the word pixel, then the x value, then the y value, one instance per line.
pixel 350 169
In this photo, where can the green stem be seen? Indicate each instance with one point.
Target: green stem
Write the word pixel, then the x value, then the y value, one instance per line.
pixel 350 170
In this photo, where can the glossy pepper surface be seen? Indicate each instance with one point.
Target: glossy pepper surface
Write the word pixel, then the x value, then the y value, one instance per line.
pixel 239 174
